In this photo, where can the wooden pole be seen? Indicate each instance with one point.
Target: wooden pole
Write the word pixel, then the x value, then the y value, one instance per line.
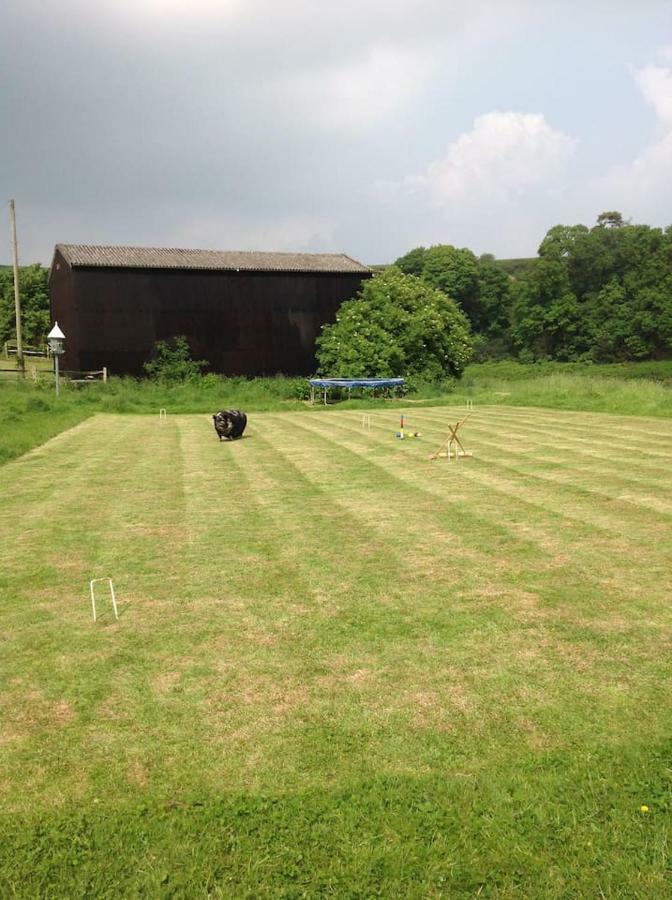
pixel 17 298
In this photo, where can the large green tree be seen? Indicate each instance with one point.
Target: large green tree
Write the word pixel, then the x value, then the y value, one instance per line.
pixel 455 272
pixel 34 294
pixel 631 316
pixel 478 286
pixel 397 325
pixel 494 299
pixel 621 278
pixel 412 262
pixel 545 314
pixel 602 293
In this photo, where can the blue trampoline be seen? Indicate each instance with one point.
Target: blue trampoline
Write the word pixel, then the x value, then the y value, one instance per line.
pixel 325 383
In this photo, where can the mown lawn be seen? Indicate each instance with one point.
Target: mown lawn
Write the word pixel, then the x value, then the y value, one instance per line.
pixel 340 669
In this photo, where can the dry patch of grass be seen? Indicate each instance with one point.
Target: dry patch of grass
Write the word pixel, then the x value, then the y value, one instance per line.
pixel 28 713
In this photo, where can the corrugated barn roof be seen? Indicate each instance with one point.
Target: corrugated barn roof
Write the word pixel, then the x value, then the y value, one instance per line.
pixel 90 255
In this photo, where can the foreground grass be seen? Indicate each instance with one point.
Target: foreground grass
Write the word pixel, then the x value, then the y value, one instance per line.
pixel 339 668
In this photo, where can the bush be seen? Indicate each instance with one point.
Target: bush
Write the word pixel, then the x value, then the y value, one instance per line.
pixel 172 362
pixel 397 326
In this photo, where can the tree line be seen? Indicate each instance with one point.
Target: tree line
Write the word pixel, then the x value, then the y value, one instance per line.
pixel 34 305
pixel 602 293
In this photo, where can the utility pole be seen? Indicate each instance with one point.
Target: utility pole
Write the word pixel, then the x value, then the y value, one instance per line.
pixel 17 298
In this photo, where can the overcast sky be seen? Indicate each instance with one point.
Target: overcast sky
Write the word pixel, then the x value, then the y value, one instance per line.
pixel 362 126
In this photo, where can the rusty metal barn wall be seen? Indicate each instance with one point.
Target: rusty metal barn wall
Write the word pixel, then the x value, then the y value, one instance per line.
pixel 247 323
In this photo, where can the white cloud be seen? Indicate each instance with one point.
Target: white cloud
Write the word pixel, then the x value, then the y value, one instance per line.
pixel 505 155
pixel 655 83
pixel 643 187
pixel 640 185
pixel 494 188
pixel 373 88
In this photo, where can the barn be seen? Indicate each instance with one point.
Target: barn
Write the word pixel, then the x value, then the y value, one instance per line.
pixel 246 313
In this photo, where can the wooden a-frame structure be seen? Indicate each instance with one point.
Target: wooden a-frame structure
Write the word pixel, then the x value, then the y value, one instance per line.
pixel 452 443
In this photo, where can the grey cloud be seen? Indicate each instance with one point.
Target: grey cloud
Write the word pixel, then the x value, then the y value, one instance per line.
pixel 140 121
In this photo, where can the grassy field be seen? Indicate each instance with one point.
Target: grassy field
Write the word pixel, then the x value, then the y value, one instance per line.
pixel 339 669
pixel 31 414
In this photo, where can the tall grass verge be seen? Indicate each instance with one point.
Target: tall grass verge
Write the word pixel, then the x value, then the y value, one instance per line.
pixel 582 392
pixel 30 416
pixel 512 370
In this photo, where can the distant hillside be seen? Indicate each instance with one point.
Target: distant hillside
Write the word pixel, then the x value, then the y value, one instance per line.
pixel 515 267
pixel 512 267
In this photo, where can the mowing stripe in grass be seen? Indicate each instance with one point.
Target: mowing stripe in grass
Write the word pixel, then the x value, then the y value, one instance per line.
pixel 628 459
pixel 621 433
pixel 566 452
pixel 637 467
pixel 339 667
pixel 280 502
pixel 519 476
pixel 350 623
pixel 310 626
pixel 516 462
pixel 124 479
pixel 518 511
pixel 591 569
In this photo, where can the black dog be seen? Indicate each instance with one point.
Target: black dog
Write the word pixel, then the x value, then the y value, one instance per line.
pixel 230 423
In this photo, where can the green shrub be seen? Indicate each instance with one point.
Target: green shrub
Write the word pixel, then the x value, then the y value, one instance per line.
pixel 172 362
pixel 397 326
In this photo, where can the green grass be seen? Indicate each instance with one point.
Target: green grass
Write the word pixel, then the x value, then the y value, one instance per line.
pixel 511 370
pixel 340 668
pixel 31 414
pixel 559 389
